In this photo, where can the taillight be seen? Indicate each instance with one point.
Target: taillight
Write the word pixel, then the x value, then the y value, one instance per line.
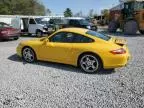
pixel 118 51
pixel 4 32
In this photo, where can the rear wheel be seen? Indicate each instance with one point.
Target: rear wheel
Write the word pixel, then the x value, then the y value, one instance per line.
pixel 130 27
pixel 16 38
pixel 141 31
pixel 90 63
pixel 28 55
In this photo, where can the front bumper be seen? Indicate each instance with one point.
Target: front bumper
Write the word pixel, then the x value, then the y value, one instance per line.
pixel 19 50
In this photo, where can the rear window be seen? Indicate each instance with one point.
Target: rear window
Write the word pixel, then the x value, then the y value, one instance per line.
pixel 99 35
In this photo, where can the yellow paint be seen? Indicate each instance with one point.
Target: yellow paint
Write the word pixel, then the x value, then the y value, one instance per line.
pixel 68 53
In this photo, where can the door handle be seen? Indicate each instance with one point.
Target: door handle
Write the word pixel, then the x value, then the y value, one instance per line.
pixel 50 44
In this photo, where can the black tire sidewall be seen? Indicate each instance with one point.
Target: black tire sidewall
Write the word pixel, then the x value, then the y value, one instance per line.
pixel 39 32
pixel 16 38
pixel 141 31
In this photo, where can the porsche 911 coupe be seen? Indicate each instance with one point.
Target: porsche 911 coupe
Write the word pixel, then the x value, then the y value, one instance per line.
pixel 90 50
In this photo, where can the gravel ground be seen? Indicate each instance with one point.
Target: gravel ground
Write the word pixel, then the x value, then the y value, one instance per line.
pixel 51 85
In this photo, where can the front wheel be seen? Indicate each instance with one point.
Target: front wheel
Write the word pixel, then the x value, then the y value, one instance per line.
pixel 141 31
pixel 39 33
pixel 90 63
pixel 28 55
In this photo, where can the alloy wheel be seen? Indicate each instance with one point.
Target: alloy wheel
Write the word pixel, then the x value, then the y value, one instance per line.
pixel 89 63
pixel 28 55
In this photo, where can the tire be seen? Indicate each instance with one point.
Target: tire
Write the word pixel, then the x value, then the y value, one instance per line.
pixel 130 27
pixel 29 34
pixel 94 28
pixel 28 55
pixel 141 31
pixel 16 38
pixel 39 33
pixel 112 27
pixel 90 63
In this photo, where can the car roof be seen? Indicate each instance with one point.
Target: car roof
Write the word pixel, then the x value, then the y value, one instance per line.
pixel 74 30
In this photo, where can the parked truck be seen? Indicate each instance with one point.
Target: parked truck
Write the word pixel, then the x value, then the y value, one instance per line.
pixel 36 25
pixel 128 16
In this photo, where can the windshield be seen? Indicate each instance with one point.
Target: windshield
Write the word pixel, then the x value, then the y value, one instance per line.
pixel 99 35
pixel 84 22
pixel 2 25
pixel 41 21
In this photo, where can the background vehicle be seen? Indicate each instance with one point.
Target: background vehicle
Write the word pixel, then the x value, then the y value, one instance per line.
pixel 85 48
pixel 8 32
pixel 38 26
pixel 129 16
pixel 30 24
pixel 58 22
pixel 75 22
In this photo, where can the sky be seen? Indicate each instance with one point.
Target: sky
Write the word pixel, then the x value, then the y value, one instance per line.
pixel 58 6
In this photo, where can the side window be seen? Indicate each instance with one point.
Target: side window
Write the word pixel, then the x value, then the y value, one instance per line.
pixel 71 22
pixel 74 22
pixel 62 37
pixel 77 38
pixel 32 21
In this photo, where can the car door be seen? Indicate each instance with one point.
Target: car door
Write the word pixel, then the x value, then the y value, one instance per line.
pixel 32 26
pixel 58 49
pixel 80 44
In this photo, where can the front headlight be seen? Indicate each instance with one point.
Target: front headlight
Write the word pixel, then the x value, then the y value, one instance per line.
pixel 88 27
pixel 45 27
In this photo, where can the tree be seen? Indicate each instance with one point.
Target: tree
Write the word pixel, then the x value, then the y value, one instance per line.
pixel 22 7
pixel 68 12
pixel 48 12
pixel 91 13
pixel 105 13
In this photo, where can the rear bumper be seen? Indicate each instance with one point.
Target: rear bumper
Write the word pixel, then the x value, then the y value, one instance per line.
pixel 12 36
pixel 116 61
pixel 121 62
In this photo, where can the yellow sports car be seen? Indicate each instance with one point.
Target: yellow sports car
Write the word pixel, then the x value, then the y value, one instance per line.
pixel 87 49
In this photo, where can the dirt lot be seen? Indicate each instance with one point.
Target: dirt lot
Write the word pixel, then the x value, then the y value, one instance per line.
pixel 51 85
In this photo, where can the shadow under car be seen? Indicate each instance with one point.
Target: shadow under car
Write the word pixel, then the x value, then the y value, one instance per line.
pixel 65 67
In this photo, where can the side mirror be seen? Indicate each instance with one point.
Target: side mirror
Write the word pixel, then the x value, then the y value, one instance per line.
pixel 45 40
